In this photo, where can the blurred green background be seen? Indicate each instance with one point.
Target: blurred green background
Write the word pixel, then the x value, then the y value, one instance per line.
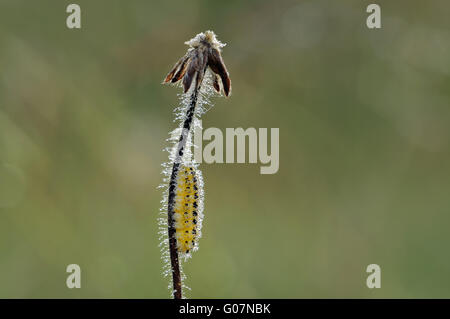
pixel 364 124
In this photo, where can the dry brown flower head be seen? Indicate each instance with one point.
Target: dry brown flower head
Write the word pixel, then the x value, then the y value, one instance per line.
pixel 204 52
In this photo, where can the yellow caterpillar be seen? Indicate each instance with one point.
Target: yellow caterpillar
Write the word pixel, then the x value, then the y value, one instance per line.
pixel 187 210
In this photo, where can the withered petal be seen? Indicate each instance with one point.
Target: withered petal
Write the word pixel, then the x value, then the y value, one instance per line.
pixel 174 69
pixel 216 83
pixel 181 71
pixel 215 62
pixel 202 62
pixel 226 82
pixel 189 74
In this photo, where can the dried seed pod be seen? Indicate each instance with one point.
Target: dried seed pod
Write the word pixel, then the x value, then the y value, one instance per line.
pixel 204 52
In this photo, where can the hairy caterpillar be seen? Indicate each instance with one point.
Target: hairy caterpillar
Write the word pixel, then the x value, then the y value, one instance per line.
pixel 188 209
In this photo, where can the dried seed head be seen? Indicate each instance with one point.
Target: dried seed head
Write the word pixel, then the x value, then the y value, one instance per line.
pixel 207 38
pixel 204 52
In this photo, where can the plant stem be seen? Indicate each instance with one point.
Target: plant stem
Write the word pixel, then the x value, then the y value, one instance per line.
pixel 174 260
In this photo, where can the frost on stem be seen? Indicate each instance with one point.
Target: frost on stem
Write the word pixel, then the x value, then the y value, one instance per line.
pixel 203 73
pixel 184 188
